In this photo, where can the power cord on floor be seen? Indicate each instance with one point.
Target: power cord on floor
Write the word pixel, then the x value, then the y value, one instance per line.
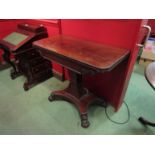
pixel 128 112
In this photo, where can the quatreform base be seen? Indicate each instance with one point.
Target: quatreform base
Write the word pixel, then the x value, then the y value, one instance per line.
pixel 78 96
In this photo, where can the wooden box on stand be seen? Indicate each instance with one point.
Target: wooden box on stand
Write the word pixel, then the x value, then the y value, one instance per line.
pixel 28 60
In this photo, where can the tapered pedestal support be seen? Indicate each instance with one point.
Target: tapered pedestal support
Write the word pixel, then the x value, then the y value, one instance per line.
pixel 77 95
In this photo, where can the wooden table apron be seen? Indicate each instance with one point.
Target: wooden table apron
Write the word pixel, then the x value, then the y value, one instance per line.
pixel 75 93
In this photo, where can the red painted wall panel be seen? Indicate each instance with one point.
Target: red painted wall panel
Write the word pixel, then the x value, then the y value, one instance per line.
pixel 151 22
pixel 113 32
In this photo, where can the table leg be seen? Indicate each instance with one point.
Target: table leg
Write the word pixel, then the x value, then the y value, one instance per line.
pixel 77 95
pixel 14 71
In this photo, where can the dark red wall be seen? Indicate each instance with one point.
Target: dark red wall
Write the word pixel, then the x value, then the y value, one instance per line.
pixel 113 32
pixel 151 22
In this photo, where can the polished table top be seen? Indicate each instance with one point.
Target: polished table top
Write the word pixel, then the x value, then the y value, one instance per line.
pixel 95 55
pixel 150 74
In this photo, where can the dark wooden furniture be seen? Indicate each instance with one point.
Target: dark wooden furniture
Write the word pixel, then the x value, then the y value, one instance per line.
pixel 150 74
pixel 28 60
pixel 81 58
pixel 150 77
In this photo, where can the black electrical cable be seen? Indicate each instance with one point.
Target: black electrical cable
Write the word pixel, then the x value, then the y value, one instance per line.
pixel 128 112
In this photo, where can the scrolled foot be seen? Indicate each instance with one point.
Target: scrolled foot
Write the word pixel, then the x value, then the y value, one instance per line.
pixel 84 121
pixel 14 74
pixel 51 97
pixel 26 86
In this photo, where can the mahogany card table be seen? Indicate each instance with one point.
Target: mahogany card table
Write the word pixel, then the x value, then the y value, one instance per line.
pixel 80 57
